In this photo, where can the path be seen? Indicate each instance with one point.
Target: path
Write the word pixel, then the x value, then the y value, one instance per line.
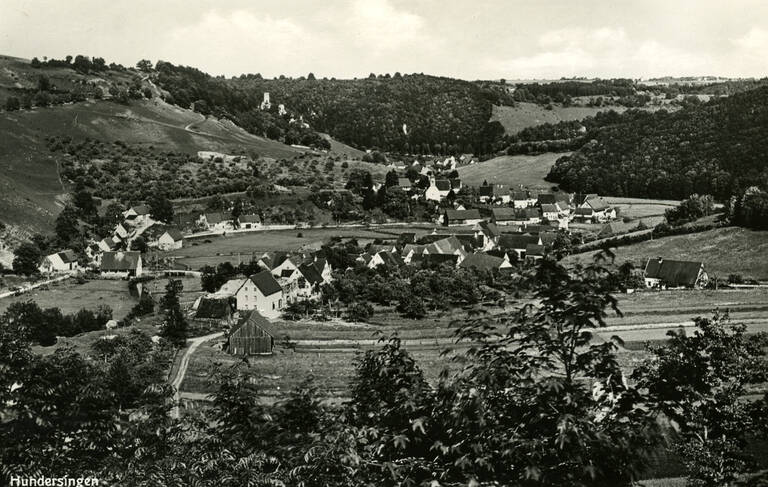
pixel 36 285
pixel 194 343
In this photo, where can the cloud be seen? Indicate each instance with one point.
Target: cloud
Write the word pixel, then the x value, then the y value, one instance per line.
pixel 382 28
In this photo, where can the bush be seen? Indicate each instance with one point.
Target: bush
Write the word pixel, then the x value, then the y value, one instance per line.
pixel 411 306
pixel 359 312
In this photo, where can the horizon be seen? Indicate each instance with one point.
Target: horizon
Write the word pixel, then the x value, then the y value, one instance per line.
pixel 518 40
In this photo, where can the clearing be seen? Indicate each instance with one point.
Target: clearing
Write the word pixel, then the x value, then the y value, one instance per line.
pixel 528 171
pixel 523 114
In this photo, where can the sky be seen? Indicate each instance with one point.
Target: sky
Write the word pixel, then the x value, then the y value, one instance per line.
pixel 491 39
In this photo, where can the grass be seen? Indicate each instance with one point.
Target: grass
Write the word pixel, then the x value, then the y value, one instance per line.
pixel 724 251
pixel 637 208
pixel 522 115
pixel 518 170
pixel 71 297
pixel 246 245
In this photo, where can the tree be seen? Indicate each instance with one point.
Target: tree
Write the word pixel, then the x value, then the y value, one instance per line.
pixel 395 202
pixel 27 258
pixel 144 65
pixel 139 244
pixel 67 225
pixel 359 181
pixel 84 202
pixel 359 312
pixel 698 382
pixel 12 104
pixel 174 327
pixel 391 179
pixel 412 306
pixel 237 210
pixel 691 208
pixel 160 207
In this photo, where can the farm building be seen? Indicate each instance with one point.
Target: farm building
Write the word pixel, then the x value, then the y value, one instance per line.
pixel 518 242
pixel 438 189
pixel 137 214
pixel 249 221
pixel 64 261
pixel 485 262
pixel 121 264
pixel 216 309
pixel 253 335
pixel 665 273
pixel 461 217
pixel 171 239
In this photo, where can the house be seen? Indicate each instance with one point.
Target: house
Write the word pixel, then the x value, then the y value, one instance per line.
pixel 437 260
pixel 438 189
pixel 137 214
pixel 406 238
pixel 64 261
pixel 386 259
pixel 488 193
pixel 213 221
pixel 490 234
pixel 550 212
pixel 252 335
pixel 286 264
pixel 219 310
pixel 262 292
pixel 412 250
pixel 310 281
pixel 614 228
pixel 171 239
pixel 455 184
pixel 121 232
pixel 121 264
pixel 663 273
pixel 107 244
pixel 595 209
pixel 522 199
pixel 405 184
pixel 534 251
pixel 249 221
pixel 504 216
pixel 485 262
pixel 461 217
pixel 518 242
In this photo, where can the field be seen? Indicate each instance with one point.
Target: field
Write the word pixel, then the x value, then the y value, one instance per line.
pixel 522 115
pixel 724 251
pixel 637 208
pixel 245 245
pixel 528 171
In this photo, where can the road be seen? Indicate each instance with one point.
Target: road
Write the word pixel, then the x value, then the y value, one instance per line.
pixel 194 343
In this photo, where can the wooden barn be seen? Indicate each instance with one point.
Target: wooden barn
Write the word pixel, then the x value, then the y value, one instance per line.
pixel 253 335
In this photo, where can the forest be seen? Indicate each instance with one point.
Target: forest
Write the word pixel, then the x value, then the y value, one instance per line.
pixel 412 113
pixel 716 148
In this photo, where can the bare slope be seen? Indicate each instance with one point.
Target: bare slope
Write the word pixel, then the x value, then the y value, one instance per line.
pixel 522 115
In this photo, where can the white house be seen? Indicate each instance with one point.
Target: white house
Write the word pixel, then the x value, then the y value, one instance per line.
pixel 64 261
pixel 550 212
pixel 461 217
pixel 171 239
pixel 522 199
pixel 136 214
pixel 261 292
pixel 249 221
pixel 438 189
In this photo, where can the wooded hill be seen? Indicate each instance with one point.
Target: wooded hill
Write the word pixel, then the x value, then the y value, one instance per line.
pixel 717 148
pixel 404 113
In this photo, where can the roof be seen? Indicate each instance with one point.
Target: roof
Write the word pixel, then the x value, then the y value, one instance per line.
pixel 230 287
pixel 550 208
pixel 547 198
pixel 407 237
pixel 482 261
pixel 597 204
pixel 266 283
pixel 214 218
pixel 489 229
pixel 534 250
pixel 214 307
pixel 584 211
pixel 391 259
pixel 253 218
pixel 519 195
pixel 455 183
pixel 673 272
pixel 109 243
pixel 68 256
pixel 417 249
pixel 141 209
pixel 404 182
pixel 443 184
pixel 439 259
pixel 445 246
pixel 473 214
pixel 254 320
pixel 120 261
pixel 311 273
pixel 174 233
pixel 504 214
pixel 517 241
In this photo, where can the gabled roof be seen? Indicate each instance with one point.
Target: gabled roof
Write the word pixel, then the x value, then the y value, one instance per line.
pixel 550 208
pixel 455 183
pixel 109 243
pixel 141 209
pixel 214 218
pixel 311 273
pixel 174 233
pixel 519 195
pixel 256 320
pixel 517 241
pixel 404 182
pixel 439 259
pixel 597 204
pixel 120 261
pixel 489 229
pixel 445 246
pixel 417 249
pixel 547 198
pixel 504 214
pixel 453 215
pixel 482 261
pixel 68 256
pixel 214 307
pixel 251 218
pixel 584 211
pixel 230 287
pixel 673 272
pixel 266 283
pixel 391 259
pixel 534 250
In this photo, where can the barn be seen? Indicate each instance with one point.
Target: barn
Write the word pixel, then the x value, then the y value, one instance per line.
pixel 253 335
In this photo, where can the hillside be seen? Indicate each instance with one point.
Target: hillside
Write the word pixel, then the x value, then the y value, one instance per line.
pixel 524 114
pixel 724 251
pixel 412 113
pixel 528 171
pixel 719 148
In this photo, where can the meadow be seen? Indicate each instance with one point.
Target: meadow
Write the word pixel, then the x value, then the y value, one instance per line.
pixel 522 115
pixel 528 171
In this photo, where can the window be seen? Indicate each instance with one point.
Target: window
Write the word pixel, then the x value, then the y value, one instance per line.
pixel 273 305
